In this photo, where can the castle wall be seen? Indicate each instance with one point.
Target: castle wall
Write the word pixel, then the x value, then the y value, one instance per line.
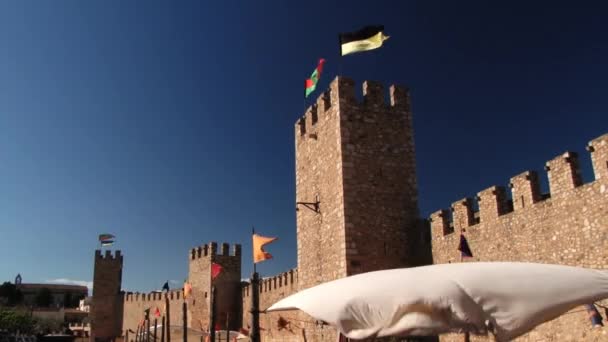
pixel 357 159
pixel 106 309
pixel 380 188
pixel 136 303
pixel 569 226
pixel 272 289
pixel 228 288
pixel 321 239
pixel 228 293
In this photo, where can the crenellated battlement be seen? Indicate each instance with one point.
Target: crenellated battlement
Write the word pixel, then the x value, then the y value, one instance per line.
pixel 277 282
pixel 341 94
pixel 108 255
pixel 563 173
pixel 176 295
pixel 211 249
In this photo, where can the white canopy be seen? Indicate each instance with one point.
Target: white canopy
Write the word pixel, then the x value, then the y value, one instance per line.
pixel 504 298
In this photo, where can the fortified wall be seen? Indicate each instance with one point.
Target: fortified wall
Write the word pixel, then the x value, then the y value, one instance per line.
pixel 567 226
pixel 116 313
pixel 281 326
pixel 357 201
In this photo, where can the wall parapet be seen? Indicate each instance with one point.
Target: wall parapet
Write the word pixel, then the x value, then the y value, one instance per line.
pixel 341 92
pixel 210 249
pixel 152 296
pixel 108 255
pixel 563 173
pixel 268 284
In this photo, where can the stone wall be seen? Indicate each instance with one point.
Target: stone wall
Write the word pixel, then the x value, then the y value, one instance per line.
pixel 356 158
pixel 106 309
pixel 568 226
pixel 355 170
pixel 272 289
pixel 379 171
pixel 228 292
pixel 135 304
pixel 320 234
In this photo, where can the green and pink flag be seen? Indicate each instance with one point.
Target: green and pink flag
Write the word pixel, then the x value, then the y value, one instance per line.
pixel 311 83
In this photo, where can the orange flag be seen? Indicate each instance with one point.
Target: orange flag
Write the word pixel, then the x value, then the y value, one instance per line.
pixel 187 290
pixel 259 254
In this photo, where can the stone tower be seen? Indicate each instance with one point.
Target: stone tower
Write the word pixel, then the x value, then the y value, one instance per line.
pixel 227 284
pixel 107 311
pixel 356 159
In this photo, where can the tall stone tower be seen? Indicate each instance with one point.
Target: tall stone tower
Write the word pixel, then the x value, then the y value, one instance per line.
pixel 356 159
pixel 107 308
pixel 227 284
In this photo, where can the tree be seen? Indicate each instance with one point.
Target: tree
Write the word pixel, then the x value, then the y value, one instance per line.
pixel 14 321
pixel 44 298
pixel 11 294
pixel 45 326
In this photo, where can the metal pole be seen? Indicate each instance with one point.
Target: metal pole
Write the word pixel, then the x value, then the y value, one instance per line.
pixel 212 320
pixel 168 311
pixel 185 321
pixel 162 331
pixel 255 307
pixel 137 334
pixel 148 330
pixel 155 325
pixel 127 335
pixel 227 325
pixel 252 234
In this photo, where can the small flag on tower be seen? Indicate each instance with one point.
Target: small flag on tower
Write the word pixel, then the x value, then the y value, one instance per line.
pixel 216 269
pixel 311 83
pixel 368 38
pixel 259 254
pixel 166 286
pixel 463 247
pixel 106 239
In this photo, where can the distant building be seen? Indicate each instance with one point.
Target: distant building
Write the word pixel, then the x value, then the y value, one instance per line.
pixel 85 304
pixel 62 295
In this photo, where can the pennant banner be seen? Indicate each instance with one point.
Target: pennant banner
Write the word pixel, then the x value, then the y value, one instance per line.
pixel 259 254
pixel 463 247
pixel 187 290
pixel 104 237
pixel 368 38
pixel 311 83
pixel 216 269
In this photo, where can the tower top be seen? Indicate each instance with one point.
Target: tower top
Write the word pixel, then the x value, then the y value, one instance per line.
pixel 18 279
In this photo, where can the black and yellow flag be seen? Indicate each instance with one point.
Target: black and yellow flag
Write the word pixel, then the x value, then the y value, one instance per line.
pixel 368 38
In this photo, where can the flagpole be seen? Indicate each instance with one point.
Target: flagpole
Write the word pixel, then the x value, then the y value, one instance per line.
pixel 255 301
pixel 162 330
pixel 168 314
pixel 155 325
pixel 185 320
pixel 148 329
pixel 340 56
pixel 252 234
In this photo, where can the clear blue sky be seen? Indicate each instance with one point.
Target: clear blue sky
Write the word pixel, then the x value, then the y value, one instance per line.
pixel 171 124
